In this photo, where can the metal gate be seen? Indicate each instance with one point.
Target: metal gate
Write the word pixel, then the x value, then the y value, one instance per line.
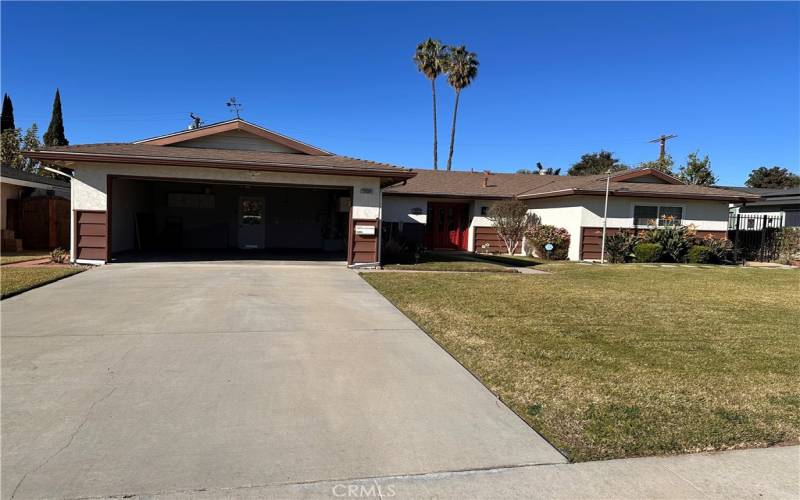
pixel 755 236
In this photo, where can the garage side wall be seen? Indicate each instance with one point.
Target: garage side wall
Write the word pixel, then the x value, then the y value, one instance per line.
pixel 90 185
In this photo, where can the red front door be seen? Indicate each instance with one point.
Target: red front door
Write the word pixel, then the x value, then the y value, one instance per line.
pixel 447 226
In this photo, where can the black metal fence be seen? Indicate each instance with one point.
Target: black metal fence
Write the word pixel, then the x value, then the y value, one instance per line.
pixel 755 236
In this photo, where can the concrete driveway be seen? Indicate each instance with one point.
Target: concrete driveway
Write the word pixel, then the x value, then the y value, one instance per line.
pixel 181 378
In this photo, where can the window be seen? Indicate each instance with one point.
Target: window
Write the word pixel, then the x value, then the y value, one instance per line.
pixel 648 215
pixel 484 211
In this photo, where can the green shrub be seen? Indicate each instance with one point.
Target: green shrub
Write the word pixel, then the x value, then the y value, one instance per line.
pixel 395 252
pixel 721 250
pixel 539 236
pixel 700 254
pixel 789 249
pixel 619 247
pixel 675 241
pixel 648 252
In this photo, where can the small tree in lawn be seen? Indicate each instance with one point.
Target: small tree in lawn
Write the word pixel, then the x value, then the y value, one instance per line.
pixel 511 219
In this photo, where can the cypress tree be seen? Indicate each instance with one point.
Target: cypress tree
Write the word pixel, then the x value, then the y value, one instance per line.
pixel 7 116
pixel 55 132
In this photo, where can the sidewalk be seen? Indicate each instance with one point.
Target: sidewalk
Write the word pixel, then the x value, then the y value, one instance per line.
pixel 756 473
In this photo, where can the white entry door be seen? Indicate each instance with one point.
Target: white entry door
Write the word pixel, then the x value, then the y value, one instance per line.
pixel 252 230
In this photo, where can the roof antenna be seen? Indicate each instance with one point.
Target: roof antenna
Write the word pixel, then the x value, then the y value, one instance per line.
pixel 196 121
pixel 235 106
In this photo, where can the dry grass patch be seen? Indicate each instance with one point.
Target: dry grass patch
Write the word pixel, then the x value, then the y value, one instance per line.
pixel 15 280
pixel 623 361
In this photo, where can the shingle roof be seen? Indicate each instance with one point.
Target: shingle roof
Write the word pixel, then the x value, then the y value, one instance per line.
pixel 145 153
pixel 766 192
pixel 524 186
pixel 15 173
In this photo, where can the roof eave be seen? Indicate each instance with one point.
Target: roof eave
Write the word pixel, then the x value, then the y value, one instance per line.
pixel 225 164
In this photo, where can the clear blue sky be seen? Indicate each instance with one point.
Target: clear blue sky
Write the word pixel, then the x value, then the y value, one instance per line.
pixel 555 81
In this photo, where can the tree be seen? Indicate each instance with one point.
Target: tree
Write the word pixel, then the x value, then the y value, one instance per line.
pixel 664 164
pixel 55 132
pixel 10 148
pixel 596 163
pixel 697 171
pixel 462 69
pixel 7 116
pixel 511 220
pixel 431 58
pixel 30 142
pixel 775 177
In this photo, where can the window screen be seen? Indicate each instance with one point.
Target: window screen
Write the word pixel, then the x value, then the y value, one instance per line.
pixel 644 215
pixel 670 216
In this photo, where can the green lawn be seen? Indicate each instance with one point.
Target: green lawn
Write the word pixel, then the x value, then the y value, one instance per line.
pixel 15 280
pixel 626 360
pixel 11 257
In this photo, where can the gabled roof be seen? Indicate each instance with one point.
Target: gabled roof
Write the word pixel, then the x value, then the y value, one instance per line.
pixel 626 175
pixel 221 158
pixel 228 126
pixel 440 183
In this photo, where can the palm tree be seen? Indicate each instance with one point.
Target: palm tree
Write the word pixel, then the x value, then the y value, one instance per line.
pixel 430 59
pixel 462 68
pixel 546 171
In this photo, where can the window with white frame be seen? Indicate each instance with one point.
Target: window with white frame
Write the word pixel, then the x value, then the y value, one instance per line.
pixel 658 215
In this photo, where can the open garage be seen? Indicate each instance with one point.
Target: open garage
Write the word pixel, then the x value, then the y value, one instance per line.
pixel 176 220
pixel 230 190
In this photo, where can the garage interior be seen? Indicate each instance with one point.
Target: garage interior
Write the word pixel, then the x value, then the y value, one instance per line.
pixel 160 220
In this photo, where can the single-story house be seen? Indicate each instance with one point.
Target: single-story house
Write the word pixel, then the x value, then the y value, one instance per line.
pixel 454 205
pixel 228 185
pixel 235 185
pixel 778 204
pixel 35 211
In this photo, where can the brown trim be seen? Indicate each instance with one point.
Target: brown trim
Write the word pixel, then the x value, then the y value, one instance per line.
pixel 362 249
pixel 467 197
pixel 486 234
pixel 91 235
pixel 592 237
pixel 635 194
pixel 624 176
pixel 230 126
pixel 221 164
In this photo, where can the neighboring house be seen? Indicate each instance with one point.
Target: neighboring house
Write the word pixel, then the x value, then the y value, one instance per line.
pixel 453 206
pixel 223 186
pixel 782 203
pixel 35 211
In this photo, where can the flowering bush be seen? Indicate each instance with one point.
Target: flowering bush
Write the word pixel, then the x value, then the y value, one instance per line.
pixel 619 246
pixel 539 236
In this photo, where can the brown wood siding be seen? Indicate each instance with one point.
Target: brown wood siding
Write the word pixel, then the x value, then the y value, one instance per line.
pixel 363 248
pixel 91 235
pixel 488 235
pixel 592 238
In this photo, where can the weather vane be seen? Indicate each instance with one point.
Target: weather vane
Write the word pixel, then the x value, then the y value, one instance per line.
pixel 234 105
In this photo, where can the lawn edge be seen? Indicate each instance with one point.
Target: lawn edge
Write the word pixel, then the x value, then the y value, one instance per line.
pixel 38 285
pixel 476 377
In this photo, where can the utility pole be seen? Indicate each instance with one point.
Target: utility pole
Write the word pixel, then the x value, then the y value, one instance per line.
pixel 663 140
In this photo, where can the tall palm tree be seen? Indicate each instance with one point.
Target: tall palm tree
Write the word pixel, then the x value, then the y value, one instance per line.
pixel 462 68
pixel 430 58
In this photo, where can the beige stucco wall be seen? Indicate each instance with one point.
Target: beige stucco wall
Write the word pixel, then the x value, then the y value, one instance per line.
pixel 90 183
pixel 571 213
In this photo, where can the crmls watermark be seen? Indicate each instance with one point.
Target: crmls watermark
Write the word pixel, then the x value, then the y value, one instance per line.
pixel 364 490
